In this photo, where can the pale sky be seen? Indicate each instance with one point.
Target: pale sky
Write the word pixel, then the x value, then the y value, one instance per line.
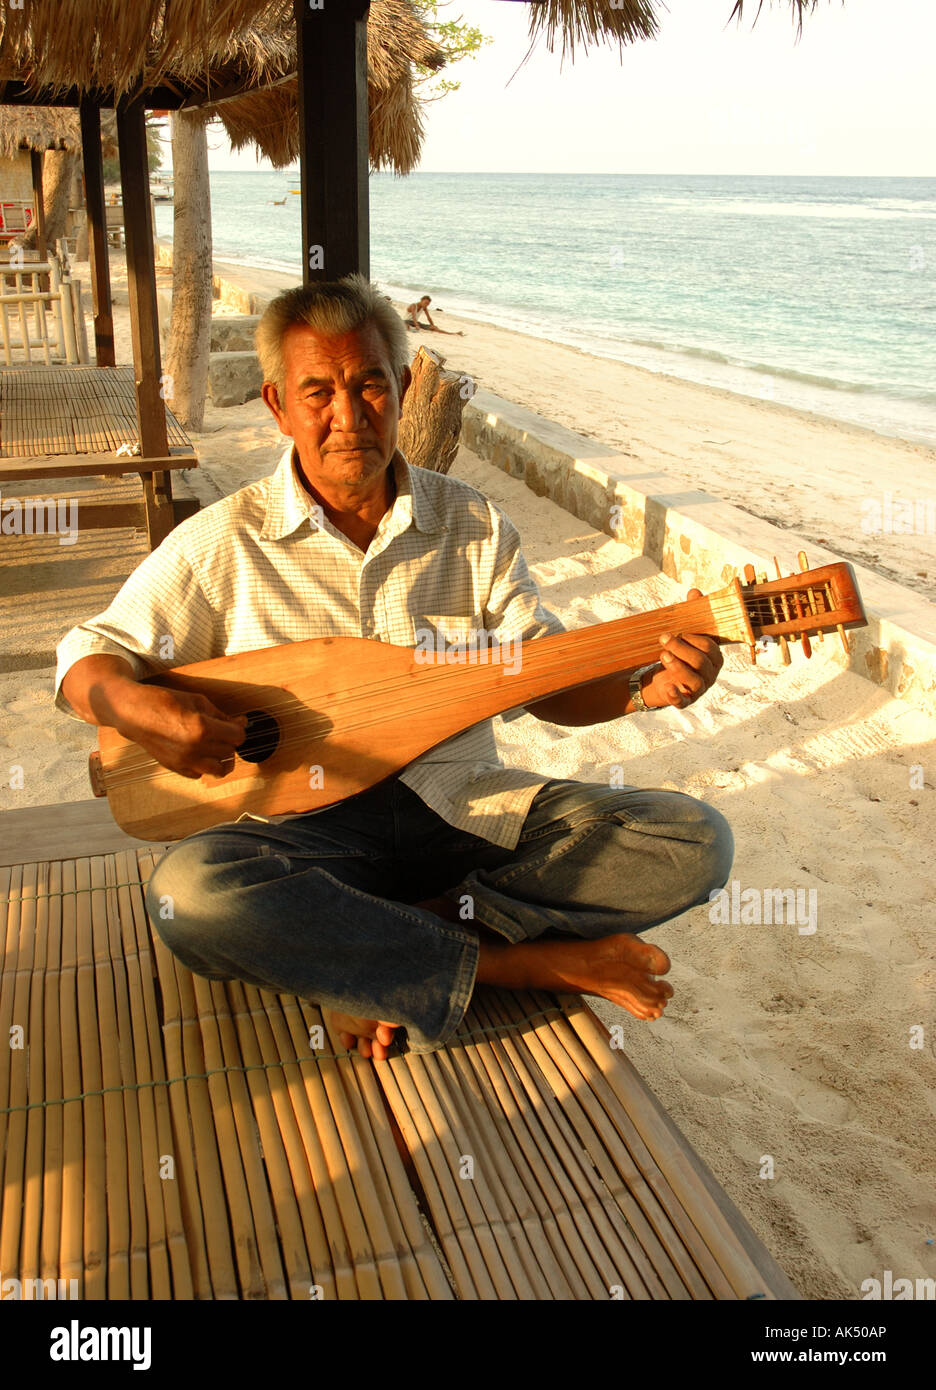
pixel 853 96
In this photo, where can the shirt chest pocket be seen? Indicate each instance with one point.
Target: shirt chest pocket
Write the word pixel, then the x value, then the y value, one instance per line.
pixel 442 632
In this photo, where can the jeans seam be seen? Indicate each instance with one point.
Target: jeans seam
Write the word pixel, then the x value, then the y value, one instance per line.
pixel 399 910
pixel 462 990
pixel 571 841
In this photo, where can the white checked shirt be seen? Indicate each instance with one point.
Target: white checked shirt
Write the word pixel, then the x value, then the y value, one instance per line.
pixel 263 567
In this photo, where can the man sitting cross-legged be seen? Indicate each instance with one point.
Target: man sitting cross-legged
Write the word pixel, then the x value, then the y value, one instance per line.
pixel 386 908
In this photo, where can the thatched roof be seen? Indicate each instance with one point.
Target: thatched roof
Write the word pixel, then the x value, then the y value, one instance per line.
pixel 37 128
pixel 591 21
pixel 595 21
pixel 396 40
pixel 210 45
pixel 198 49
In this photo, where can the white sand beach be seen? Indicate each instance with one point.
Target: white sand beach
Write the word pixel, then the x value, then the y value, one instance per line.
pixel 779 1044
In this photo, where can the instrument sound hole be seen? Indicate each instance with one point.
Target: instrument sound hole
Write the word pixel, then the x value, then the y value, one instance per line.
pixel 262 737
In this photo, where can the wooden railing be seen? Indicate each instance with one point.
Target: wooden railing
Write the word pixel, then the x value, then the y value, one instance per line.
pixel 41 312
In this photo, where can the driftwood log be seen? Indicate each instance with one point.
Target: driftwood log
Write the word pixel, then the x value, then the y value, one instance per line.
pixel 430 424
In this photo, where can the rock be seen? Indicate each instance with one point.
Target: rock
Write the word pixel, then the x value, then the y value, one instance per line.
pixel 233 332
pixel 234 377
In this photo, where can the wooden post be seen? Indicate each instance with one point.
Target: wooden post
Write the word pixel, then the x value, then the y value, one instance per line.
pixel 144 321
pixel 35 159
pixel 97 233
pixel 333 138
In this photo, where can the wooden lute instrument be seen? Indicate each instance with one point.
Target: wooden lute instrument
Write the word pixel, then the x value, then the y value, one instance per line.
pixel 332 716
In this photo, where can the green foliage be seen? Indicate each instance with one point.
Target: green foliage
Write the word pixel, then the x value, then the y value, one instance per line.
pixel 154 145
pixel 458 40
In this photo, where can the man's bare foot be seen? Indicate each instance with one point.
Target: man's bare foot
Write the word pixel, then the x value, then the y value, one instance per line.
pixel 371 1036
pixel 620 968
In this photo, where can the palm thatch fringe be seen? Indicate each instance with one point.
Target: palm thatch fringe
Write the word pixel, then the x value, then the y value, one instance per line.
pixel 113 45
pixel 37 128
pixel 396 39
pixel 591 21
pixel 800 9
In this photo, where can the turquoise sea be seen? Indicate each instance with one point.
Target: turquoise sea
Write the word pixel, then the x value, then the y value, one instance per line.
pixel 814 292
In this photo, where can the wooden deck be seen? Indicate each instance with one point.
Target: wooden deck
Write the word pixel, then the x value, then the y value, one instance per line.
pixel 73 410
pixel 63 422
pixel 169 1137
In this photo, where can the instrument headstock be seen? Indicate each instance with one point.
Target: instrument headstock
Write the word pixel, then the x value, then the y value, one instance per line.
pixel 796 606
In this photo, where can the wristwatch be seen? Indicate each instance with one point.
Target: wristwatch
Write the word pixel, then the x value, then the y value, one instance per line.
pixel 634 689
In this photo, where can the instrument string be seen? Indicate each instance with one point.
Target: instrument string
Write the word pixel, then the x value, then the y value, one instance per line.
pixel 422 705
pixel 588 638
pixel 366 693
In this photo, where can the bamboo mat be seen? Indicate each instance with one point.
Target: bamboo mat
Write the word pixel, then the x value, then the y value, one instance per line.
pixel 72 410
pixel 165 1136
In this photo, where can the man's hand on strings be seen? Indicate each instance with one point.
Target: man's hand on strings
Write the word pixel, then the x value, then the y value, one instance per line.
pixel 185 733
pixel 691 664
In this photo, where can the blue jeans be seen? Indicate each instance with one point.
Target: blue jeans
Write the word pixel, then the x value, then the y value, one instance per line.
pixel 322 905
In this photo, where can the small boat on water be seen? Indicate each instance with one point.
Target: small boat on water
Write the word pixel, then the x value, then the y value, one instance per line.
pixel 161 188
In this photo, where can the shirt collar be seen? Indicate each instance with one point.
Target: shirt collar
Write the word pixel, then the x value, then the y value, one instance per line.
pixel 289 506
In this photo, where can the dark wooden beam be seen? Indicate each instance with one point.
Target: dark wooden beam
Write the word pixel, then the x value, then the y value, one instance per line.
pixel 218 95
pixel 333 138
pixel 144 321
pixel 35 160
pixel 226 84
pixel 97 233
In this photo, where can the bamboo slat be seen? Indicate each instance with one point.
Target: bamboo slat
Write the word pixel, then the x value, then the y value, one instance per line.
pixel 533 1212
pixel 51 1197
pixel 205 1216
pixel 522 1138
pixel 252 1211
pixel 19 945
pixel 130 939
pixel 221 1154
pixel 658 1259
pixel 297 1213
pixel 122 1152
pixel 608 1260
pixel 664 1144
pixel 95 1174
pixel 671 1223
pixel 62 410
pixel 71 1250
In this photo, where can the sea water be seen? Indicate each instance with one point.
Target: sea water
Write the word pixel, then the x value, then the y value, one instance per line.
pixel 810 291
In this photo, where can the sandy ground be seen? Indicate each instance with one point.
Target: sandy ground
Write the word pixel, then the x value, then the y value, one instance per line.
pixel 778 1045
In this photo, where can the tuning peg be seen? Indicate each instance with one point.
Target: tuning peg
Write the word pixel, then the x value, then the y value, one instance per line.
pixel 749 577
pixel 804 565
pixel 784 644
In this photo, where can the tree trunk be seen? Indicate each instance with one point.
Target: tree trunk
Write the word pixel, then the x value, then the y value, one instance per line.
pixel 432 412
pixel 79 201
pixel 58 170
pixel 190 326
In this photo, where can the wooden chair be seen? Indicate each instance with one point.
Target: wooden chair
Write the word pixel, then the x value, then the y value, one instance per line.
pixel 164 1136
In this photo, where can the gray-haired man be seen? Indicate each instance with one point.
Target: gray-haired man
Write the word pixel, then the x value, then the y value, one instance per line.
pixel 361 906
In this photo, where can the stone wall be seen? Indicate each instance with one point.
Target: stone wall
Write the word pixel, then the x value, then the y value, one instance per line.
pixel 697 539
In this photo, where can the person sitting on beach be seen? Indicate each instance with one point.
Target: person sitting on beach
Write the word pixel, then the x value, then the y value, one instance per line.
pixel 386 909
pixel 422 306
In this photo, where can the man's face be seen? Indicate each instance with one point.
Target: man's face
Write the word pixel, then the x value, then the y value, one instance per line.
pixel 340 404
